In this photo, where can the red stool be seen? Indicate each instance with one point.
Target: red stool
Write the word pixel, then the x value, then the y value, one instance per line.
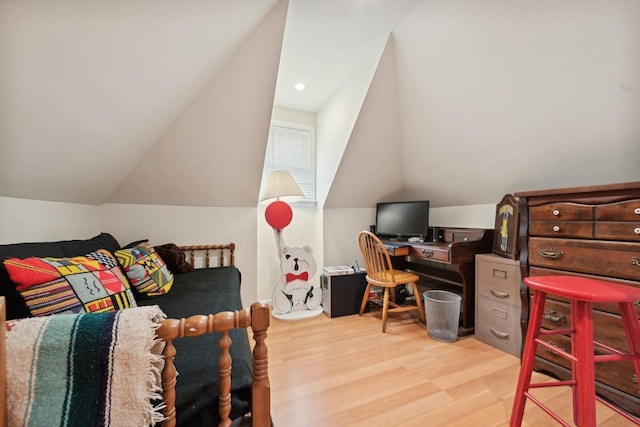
pixel 581 292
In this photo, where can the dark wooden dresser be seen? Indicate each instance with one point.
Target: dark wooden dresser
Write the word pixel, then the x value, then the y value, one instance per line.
pixel 584 231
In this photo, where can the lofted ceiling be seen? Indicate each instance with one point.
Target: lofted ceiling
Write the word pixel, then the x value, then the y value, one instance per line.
pixel 169 101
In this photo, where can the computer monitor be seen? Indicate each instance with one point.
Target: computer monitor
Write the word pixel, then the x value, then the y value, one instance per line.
pixel 402 219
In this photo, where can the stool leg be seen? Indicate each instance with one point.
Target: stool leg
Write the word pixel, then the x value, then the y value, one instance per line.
pixel 574 367
pixel 528 357
pixel 632 330
pixel 584 365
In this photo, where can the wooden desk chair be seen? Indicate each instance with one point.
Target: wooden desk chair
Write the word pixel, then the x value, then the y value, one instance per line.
pixel 380 272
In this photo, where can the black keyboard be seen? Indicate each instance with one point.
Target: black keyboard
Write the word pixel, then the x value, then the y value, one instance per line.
pixel 395 244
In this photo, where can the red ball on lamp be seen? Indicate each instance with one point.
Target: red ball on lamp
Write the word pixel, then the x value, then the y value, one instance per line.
pixel 278 214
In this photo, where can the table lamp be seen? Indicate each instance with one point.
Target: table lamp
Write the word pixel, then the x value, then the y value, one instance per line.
pixel 279 189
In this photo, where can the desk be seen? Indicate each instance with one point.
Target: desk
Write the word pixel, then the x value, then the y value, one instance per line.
pixel 448 264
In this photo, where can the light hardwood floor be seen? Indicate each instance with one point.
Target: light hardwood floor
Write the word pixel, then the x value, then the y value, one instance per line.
pixel 345 372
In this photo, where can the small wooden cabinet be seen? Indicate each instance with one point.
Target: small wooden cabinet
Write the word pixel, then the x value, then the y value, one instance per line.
pixel 498 302
pixel 592 232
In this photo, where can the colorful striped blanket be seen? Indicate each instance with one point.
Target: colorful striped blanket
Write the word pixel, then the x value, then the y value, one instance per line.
pixel 92 369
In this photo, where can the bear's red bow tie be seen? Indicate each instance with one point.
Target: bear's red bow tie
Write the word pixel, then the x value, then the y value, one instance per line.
pixel 301 276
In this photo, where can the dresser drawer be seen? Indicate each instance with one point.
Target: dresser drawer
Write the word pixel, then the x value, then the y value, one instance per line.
pixel 621 211
pixel 607 327
pixel 578 229
pixel 615 259
pixel 594 232
pixel 619 375
pixel 498 325
pixel 431 252
pixel 500 282
pixel 618 230
pixel 562 212
pixel 602 306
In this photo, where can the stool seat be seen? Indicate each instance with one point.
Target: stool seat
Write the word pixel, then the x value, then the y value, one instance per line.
pixel 582 292
pixel 584 288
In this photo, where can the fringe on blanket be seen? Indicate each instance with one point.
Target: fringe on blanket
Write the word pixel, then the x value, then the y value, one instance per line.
pixel 92 369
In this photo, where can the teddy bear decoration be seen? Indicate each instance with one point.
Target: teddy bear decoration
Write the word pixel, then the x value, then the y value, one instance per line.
pixel 294 291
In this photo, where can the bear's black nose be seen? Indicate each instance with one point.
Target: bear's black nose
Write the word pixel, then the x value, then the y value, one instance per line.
pixel 295 266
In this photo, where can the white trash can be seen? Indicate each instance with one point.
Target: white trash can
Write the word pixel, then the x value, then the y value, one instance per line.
pixel 442 311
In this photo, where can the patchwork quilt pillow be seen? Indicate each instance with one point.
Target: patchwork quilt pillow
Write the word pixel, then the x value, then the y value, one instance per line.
pixel 89 283
pixel 146 271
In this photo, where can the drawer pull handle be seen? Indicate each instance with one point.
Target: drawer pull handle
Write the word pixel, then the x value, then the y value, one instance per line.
pixel 552 316
pixel 635 261
pixel 636 211
pixel 550 253
pixel 556 228
pixel 556 212
pixel 501 274
pixel 500 294
pixel 498 333
pixel 636 230
pixel 427 252
pixel 634 379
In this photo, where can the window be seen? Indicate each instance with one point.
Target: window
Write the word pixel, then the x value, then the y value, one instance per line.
pixel 290 147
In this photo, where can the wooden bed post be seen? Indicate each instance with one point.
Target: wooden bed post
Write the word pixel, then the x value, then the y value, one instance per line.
pixel 260 388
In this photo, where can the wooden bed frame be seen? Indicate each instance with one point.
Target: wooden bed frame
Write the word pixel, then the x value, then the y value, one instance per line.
pixel 257 318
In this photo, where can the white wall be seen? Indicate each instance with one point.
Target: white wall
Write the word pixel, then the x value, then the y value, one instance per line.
pixel 341 227
pixel 256 250
pixel 25 220
pixel 190 226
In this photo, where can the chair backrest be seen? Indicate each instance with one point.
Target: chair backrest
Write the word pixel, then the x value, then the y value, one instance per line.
pixel 376 259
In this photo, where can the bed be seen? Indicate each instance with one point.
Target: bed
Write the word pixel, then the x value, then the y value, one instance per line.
pixel 222 374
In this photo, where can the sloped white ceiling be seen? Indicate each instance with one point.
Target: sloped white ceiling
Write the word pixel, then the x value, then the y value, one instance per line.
pixel 498 97
pixel 371 168
pixel 160 101
pixel 213 153
pixel 87 87
pixel 326 40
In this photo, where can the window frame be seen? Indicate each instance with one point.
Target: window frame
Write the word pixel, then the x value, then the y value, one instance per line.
pixel 311 171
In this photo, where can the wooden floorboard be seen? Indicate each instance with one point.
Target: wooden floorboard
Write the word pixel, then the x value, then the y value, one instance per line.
pixel 345 372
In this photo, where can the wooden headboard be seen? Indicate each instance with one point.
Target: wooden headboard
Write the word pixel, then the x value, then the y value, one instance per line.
pixel 210 255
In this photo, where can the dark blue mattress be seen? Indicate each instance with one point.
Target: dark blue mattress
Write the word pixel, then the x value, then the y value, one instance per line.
pixel 207 291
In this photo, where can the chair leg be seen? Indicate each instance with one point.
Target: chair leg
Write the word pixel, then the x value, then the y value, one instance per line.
pixel 419 303
pixel 365 298
pixel 385 309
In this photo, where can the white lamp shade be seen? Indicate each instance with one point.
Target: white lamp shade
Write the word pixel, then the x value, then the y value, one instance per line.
pixel 280 185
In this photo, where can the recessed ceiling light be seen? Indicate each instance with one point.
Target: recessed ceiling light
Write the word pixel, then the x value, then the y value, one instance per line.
pixel 299 86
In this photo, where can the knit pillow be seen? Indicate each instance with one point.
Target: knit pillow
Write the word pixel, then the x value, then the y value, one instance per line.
pixel 89 283
pixel 146 271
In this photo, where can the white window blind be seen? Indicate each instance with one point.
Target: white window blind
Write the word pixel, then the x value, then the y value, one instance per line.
pixel 290 148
